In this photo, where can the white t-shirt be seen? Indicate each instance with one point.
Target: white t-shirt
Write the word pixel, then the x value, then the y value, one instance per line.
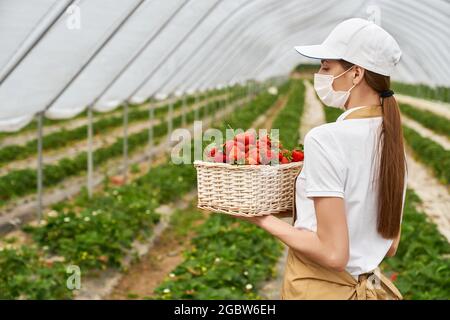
pixel 338 163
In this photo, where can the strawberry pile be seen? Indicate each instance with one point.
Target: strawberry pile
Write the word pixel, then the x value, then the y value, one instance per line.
pixel 248 148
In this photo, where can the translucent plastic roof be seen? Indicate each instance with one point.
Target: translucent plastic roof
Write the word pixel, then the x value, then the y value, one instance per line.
pixel 61 56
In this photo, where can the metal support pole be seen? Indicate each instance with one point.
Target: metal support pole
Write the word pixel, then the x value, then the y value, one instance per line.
pixel 90 160
pixel 40 119
pixel 151 116
pixel 169 124
pixel 183 115
pixel 196 105
pixel 206 105
pixel 125 141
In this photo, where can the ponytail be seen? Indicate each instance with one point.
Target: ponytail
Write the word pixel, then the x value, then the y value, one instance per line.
pixel 392 161
pixel 391 169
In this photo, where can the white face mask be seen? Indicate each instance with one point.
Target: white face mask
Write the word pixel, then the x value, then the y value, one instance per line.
pixel 323 84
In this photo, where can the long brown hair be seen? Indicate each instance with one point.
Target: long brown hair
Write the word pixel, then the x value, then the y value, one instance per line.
pixel 392 162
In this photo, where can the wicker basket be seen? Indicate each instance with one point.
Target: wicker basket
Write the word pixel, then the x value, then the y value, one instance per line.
pixel 245 190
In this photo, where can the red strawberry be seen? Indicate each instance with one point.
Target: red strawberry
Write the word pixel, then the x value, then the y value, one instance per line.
pixel 297 156
pixel 212 152
pixel 235 154
pixel 265 140
pixel 240 137
pixel 394 276
pixel 250 137
pixel 253 153
pixel 228 145
pixel 117 180
pixel 284 160
pixel 267 155
pixel 280 155
pixel 219 157
pixel 251 160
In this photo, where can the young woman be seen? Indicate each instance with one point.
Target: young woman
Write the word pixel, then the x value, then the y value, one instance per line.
pixel 351 191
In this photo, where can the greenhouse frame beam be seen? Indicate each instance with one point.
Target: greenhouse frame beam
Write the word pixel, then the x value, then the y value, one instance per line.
pixel 11 69
pixel 210 54
pixel 195 51
pixel 167 57
pixel 69 83
pixel 263 31
pixel 139 53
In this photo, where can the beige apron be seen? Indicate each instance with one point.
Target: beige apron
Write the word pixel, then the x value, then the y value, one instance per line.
pixel 305 279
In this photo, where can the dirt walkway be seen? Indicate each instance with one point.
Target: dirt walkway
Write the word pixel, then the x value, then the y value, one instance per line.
pixel 313 114
pixel 427 133
pixel 440 108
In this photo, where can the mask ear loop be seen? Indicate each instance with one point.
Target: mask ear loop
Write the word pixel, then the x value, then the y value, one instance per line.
pixel 343 72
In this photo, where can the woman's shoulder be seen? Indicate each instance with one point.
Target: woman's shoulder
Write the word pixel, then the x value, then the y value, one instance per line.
pixel 322 131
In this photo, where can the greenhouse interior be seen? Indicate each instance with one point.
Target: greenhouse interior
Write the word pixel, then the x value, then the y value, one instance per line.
pixel 120 179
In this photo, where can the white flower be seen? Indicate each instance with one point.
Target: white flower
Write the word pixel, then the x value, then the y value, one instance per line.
pixel 217 260
pixel 172 275
pixel 87 219
pixel 52 213
pixel 248 286
pixel 94 213
pixel 246 273
pixel 166 290
pixel 66 219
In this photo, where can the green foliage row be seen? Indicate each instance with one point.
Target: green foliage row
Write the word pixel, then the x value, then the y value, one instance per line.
pixel 428 119
pixel 286 119
pixel 429 153
pixel 439 93
pixel 421 265
pixel 227 261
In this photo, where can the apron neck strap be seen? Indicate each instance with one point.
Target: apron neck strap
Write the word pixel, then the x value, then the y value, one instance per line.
pixel 365 112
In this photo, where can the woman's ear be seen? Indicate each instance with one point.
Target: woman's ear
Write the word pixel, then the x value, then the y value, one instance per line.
pixel 358 74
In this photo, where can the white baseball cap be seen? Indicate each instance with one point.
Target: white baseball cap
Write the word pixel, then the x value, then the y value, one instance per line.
pixel 361 42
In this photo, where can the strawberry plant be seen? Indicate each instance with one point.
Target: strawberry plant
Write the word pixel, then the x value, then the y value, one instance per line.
pixel 429 153
pixel 286 119
pixel 228 260
pixel 428 119
pixel 27 273
pixel 439 93
pixel 421 267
